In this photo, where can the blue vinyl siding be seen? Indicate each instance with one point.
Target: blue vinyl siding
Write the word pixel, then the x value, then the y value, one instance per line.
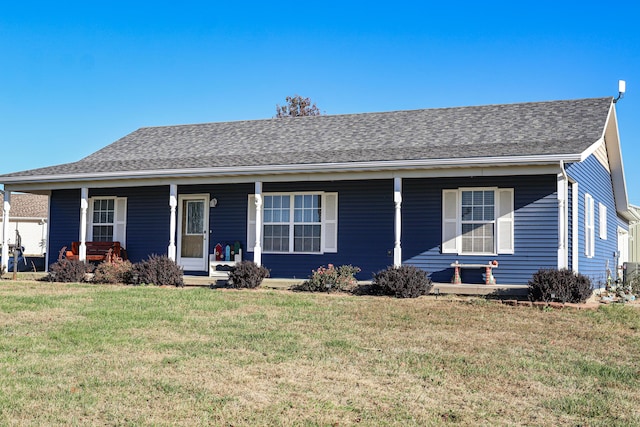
pixel 365 224
pixel 147 219
pixel 365 229
pixel 64 217
pixel 595 180
pixel 535 223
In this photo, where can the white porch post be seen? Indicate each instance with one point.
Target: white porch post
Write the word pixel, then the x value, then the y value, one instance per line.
pixel 5 230
pixel 257 249
pixel 562 192
pixel 84 205
pixel 173 203
pixel 397 200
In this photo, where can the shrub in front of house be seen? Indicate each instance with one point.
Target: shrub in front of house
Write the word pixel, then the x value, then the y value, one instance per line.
pixel 559 285
pixel 405 281
pixel 247 274
pixel 116 271
pixel 66 270
pixel 330 279
pixel 156 270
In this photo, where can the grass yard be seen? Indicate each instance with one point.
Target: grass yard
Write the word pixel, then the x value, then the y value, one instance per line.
pixel 115 355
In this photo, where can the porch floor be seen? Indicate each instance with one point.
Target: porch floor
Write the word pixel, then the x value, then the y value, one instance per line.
pixel 441 288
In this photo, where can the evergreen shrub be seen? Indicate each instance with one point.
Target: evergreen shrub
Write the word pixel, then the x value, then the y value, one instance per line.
pixel 156 270
pixel 561 285
pixel 405 281
pixel 247 274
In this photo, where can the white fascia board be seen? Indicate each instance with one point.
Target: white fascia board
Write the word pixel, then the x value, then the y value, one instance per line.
pixel 592 149
pixel 466 172
pixel 614 154
pixel 303 169
pixel 611 138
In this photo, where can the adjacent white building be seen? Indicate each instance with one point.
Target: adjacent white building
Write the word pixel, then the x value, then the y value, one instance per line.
pixel 634 236
pixel 28 215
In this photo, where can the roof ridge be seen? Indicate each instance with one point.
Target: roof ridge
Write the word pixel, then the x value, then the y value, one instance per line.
pixel 364 113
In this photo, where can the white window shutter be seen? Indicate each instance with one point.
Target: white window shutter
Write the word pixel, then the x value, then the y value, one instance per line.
pixel 251 223
pixel 602 214
pixel 450 221
pixel 589 232
pixel 120 221
pixel 505 222
pixel 330 223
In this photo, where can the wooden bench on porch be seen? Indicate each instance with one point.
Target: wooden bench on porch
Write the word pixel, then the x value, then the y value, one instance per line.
pixel 488 279
pixel 97 251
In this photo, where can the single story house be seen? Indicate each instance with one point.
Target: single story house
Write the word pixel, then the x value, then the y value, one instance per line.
pixel 531 185
pixel 28 216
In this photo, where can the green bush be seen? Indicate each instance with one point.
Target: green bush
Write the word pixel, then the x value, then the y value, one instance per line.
pixel 247 274
pixel 330 279
pixel 559 285
pixel 405 281
pixel 156 270
pixel 116 271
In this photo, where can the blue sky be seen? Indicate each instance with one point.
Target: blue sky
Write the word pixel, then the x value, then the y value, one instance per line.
pixel 76 76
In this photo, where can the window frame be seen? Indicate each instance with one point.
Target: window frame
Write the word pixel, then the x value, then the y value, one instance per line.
pixel 119 224
pixel 452 224
pixel 292 222
pixel 493 222
pixel 94 224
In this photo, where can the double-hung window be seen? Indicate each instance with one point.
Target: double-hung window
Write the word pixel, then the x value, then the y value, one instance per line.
pixel 103 219
pixel 107 216
pixel 477 221
pixel 295 223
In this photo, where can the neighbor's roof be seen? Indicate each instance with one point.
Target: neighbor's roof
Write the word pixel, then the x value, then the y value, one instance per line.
pixel 512 130
pixel 26 206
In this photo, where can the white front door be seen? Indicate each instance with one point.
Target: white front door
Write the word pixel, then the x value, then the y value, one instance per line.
pixel 193 234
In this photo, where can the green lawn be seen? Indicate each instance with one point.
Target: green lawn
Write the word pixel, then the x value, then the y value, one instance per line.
pixel 115 355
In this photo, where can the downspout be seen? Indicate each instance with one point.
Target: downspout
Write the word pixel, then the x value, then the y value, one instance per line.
pixel 562 192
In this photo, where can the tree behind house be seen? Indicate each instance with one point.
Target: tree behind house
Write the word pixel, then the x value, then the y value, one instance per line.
pixel 297 106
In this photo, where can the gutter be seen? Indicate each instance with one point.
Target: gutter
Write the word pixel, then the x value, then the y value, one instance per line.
pixel 322 168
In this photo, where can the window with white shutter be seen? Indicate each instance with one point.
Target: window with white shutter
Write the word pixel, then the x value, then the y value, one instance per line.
pixel 107 219
pixel 478 221
pixel 295 223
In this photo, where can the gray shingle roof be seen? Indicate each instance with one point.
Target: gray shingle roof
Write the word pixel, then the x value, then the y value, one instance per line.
pixel 26 206
pixel 527 129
